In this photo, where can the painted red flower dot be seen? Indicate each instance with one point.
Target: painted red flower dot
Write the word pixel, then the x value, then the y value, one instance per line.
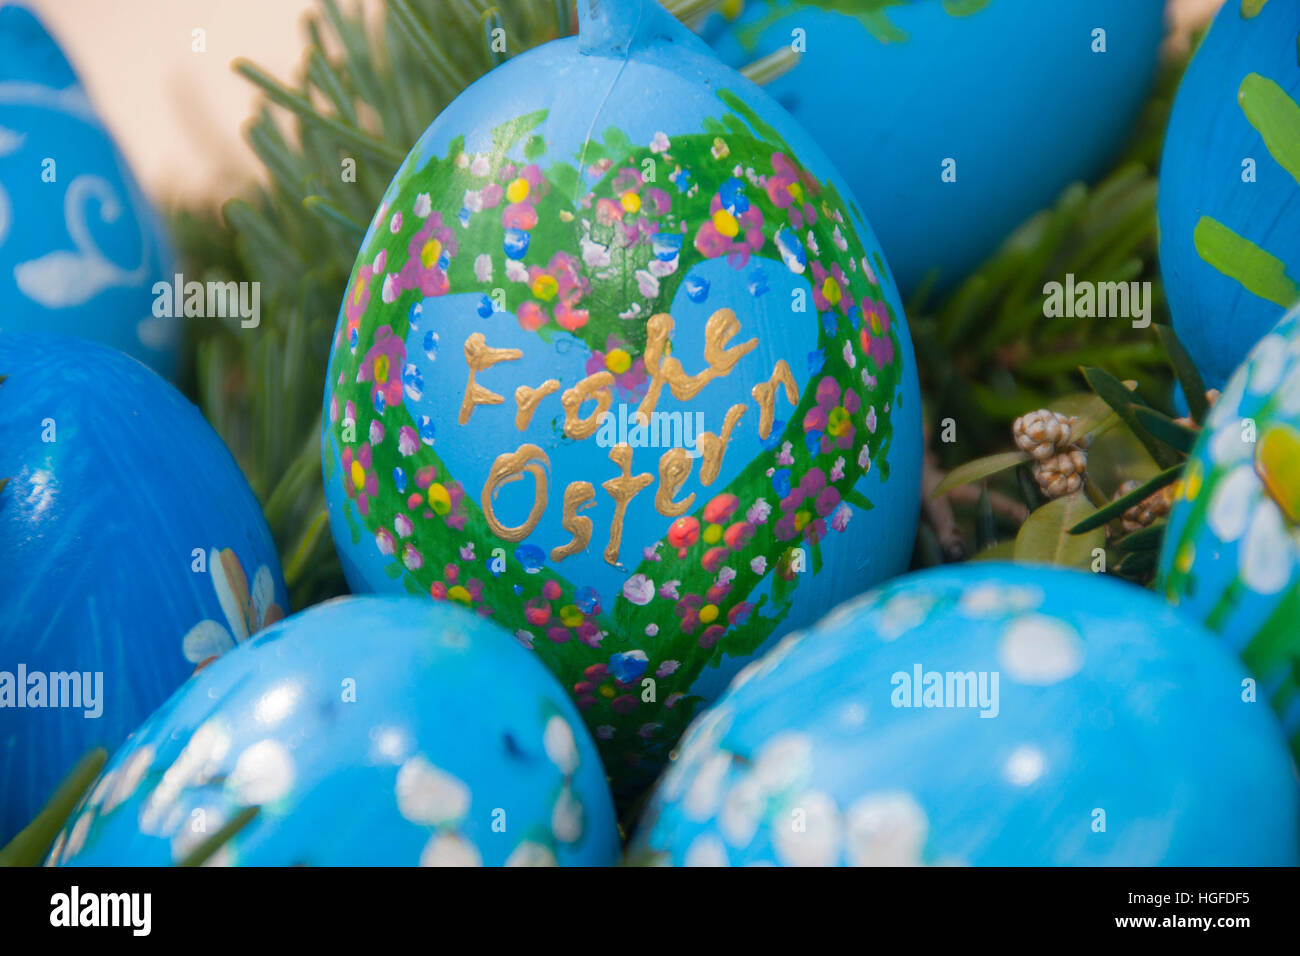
pixel 684 532
pixel 721 508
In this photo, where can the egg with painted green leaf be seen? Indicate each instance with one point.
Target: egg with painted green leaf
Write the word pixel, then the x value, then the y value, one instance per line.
pixel 1229 202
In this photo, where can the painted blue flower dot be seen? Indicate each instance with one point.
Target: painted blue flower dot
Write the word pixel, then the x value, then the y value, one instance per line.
pixel 667 246
pixel 697 289
pixel 426 429
pixel 781 481
pixel 627 666
pixel 519 590
pixel 829 323
pixel 352 339
pixel 464 216
pixel 380 403
pixel 415 313
pixel 792 251
pixel 683 180
pixel 816 361
pixel 399 479
pixel 758 282
pixel 431 344
pixel 516 243
pixel 413 381
pixel 732 195
pixel 855 317
pixel 587 600
pixel 531 557
pixel 813 440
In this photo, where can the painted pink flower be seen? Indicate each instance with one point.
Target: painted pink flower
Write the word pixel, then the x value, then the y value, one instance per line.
pixel 382 367
pixel 630 376
pixel 734 234
pixel 431 251
pixel 875 333
pixel 789 188
pixel 355 302
pixel 560 287
pixel 359 478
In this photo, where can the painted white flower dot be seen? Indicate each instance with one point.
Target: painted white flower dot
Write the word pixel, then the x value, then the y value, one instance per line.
pixel 263 773
pixel 560 745
pixel 428 795
pixel 886 829
pixel 1041 650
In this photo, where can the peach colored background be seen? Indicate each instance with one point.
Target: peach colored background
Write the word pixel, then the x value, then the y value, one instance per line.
pixel 177 114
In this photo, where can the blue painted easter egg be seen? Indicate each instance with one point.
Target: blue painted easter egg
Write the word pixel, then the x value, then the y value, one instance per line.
pixel 1229 201
pixel 1231 553
pixel 369 731
pixel 986 715
pixel 80 248
pixel 954 120
pixel 131 549
pixel 689 423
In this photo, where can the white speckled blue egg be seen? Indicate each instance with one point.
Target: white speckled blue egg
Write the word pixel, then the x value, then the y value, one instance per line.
pixel 369 731
pixel 1229 202
pixel 80 248
pixel 1231 554
pixel 1013 99
pixel 131 549
pixel 986 714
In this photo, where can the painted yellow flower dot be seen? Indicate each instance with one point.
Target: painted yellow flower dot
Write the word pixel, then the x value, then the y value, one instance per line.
pixel 631 202
pixel 726 223
pixel 876 327
pixel 1191 483
pixel 709 613
pixel 837 421
pixel 831 289
pixel 712 534
pixel 460 595
pixel 518 190
pixel 381 369
pixel 801 519
pixel 360 291
pixel 1186 554
pixel 606 690
pixel 570 616
pixel 430 253
pixel 439 500
pixel 545 287
pixel 795 190
pixel 732 8
pixel 618 361
pixel 358 475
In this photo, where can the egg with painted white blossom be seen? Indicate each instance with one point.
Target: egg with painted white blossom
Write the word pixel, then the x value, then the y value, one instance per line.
pixel 626 373
pixel 1231 552
pixel 131 550
pixel 367 731
pixel 987 715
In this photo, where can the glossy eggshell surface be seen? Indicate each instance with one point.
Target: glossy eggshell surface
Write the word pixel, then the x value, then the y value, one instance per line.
pixel 1230 552
pixel 130 547
pixel 1229 202
pixel 80 248
pixel 1116 734
pixel 370 731
pixel 780 471
pixel 1010 90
